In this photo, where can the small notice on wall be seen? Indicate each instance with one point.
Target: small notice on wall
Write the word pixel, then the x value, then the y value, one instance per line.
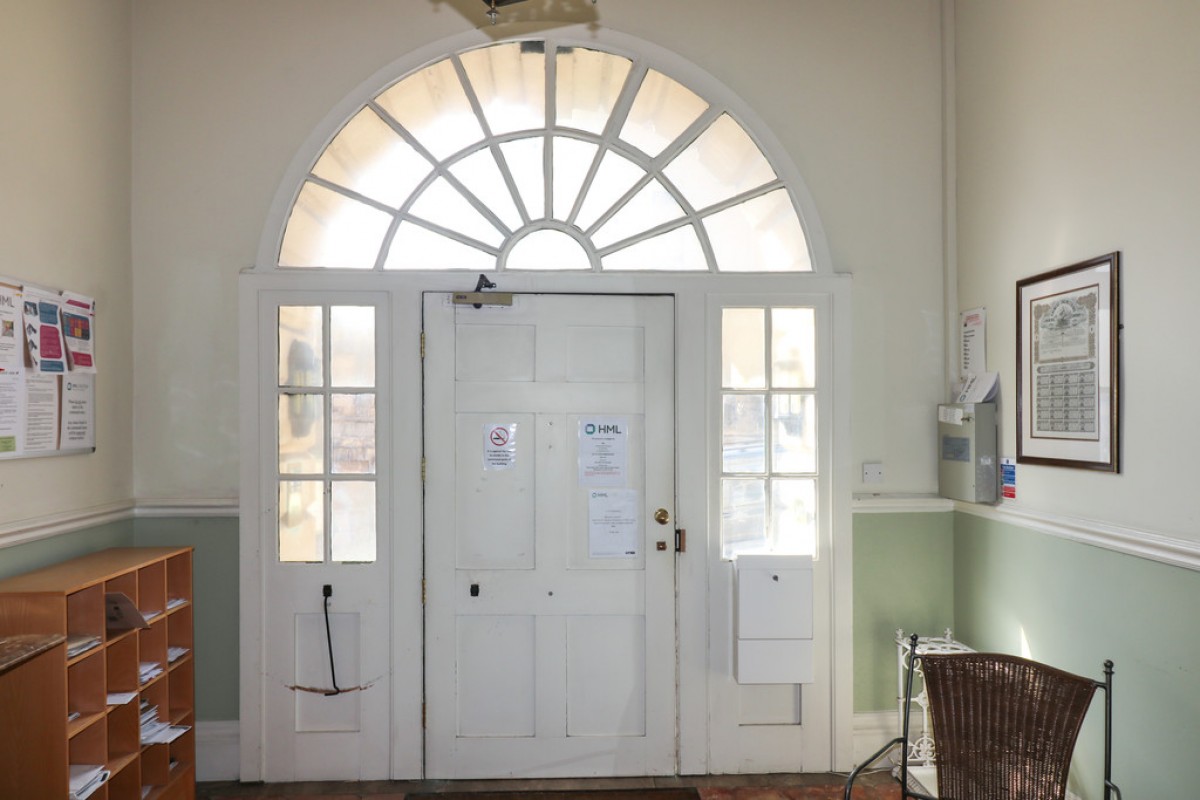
pixel 1008 478
pixel 613 523
pixel 77 426
pixel 973 329
pixel 499 445
pixel 603 451
pixel 41 414
pixel 12 351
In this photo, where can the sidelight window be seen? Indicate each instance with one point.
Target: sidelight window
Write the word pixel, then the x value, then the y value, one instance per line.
pixel 769 465
pixel 327 438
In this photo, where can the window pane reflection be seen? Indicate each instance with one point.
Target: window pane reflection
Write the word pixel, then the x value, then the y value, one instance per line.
pixel 548 250
pixel 301 434
pixel 589 83
pixel 793 348
pixel 524 159
pixel 371 158
pixel 327 229
pixel 352 434
pixel 678 250
pixel 445 206
pixel 794 433
pixel 743 433
pixel 572 160
pixel 352 530
pixel 662 110
pixel 300 348
pixel 482 177
pixel 794 517
pixel 743 348
pixel 615 176
pixel 301 521
pixel 433 107
pixel 510 82
pixel 651 206
pixel 743 515
pixel 760 235
pixel 415 247
pixel 724 161
pixel 352 345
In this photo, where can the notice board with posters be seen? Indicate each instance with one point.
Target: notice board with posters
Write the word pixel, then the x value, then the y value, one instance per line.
pixel 47 371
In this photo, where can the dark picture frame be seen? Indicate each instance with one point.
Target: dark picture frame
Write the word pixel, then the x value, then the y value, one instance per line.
pixel 1068 366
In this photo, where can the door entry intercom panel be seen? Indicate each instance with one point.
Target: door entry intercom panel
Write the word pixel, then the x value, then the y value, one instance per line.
pixel 967 463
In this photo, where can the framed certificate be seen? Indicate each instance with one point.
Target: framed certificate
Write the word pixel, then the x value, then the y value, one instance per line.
pixel 1068 366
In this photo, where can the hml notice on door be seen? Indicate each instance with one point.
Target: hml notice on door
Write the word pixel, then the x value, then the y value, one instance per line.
pixel 613 523
pixel 603 451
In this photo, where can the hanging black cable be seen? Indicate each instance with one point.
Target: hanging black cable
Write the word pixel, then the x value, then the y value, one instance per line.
pixel 327 592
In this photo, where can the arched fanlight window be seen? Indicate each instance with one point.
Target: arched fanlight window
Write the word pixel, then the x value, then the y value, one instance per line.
pixel 529 156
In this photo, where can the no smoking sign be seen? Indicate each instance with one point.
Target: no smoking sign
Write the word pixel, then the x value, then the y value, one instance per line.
pixel 499 445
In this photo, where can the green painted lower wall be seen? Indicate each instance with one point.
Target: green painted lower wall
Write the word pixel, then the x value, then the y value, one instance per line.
pixel 215 593
pixel 22 558
pixel 903 578
pixel 1073 606
pixel 215 585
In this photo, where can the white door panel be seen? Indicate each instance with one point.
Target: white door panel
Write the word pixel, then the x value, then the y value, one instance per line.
pixel 546 655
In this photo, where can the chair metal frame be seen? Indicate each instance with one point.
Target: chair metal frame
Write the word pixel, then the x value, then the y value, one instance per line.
pixel 1110 789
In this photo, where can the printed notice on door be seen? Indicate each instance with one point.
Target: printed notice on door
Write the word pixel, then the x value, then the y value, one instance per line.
pixel 603 451
pixel 499 445
pixel 613 523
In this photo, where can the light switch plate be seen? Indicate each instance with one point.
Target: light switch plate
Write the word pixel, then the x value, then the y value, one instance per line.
pixel 872 472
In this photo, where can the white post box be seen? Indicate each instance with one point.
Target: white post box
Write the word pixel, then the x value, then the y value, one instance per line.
pixel 773 619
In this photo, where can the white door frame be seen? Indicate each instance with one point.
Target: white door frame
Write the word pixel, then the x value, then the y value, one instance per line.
pixel 699 749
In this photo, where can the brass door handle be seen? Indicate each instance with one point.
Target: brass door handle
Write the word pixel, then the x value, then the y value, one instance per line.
pixel 662 516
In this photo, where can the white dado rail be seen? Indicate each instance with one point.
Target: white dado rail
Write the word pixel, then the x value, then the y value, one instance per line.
pixel 1130 541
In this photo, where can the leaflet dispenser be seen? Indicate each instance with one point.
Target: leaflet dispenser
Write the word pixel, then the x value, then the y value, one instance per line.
pixel 967 463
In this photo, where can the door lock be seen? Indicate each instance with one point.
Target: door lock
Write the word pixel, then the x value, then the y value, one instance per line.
pixel 662 516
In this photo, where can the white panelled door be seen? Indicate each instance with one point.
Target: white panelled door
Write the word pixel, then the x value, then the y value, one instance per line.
pixel 550 610
pixel 325 660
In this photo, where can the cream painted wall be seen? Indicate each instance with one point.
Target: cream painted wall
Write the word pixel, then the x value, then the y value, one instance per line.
pixel 1078 125
pixel 227 91
pixel 64 220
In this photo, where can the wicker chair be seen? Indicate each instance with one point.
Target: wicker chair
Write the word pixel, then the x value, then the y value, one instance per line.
pixel 1004 727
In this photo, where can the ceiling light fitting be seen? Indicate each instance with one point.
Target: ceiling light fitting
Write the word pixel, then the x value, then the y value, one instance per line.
pixel 492 5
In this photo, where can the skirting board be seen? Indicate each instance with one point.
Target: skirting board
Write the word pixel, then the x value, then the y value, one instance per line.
pixel 872 730
pixel 217 743
pixel 218 752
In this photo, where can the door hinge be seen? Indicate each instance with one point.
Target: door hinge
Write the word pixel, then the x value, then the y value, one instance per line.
pixel 680 540
pixel 422 469
pixel 422 716
pixel 422 591
pixel 422 345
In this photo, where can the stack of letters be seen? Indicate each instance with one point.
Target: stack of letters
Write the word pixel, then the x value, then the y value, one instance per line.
pixel 148 671
pixel 85 779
